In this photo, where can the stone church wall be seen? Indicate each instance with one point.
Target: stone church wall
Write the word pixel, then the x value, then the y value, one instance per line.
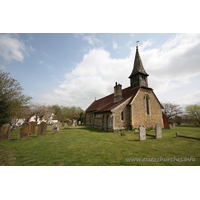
pixel 139 110
pixel 118 123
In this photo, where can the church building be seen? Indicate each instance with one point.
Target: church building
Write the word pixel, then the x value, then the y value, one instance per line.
pixel 129 107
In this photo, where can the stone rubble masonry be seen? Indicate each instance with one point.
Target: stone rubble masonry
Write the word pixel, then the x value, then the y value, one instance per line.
pixel 139 112
pixel 5 132
pixel 24 130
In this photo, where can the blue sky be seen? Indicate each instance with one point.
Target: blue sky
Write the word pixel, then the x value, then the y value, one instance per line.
pixel 72 69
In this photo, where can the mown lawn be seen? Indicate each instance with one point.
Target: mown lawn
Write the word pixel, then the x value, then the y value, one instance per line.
pixel 86 146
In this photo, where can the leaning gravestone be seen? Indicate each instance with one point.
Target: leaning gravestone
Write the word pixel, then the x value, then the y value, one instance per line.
pixel 32 128
pixel 5 132
pixel 42 129
pixel 24 130
pixel 142 132
pixel 158 131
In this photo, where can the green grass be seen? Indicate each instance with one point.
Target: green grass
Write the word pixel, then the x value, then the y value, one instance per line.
pixel 86 146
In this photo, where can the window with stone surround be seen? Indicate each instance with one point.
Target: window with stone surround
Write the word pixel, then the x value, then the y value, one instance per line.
pixel 147 98
pixel 122 116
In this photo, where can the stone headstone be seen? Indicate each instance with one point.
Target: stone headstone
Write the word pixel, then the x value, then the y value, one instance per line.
pixel 142 132
pixel 58 127
pixel 177 134
pixel 170 126
pixel 74 122
pixel 158 131
pixel 63 124
pixel 24 130
pixel 5 132
pixel 32 128
pixel 69 123
pixel 79 123
pixel 174 125
pixel 42 129
pixel 54 127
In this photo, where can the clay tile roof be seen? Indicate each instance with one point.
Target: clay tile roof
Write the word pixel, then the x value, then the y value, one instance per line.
pixel 106 104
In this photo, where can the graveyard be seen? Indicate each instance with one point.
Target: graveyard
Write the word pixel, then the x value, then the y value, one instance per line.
pixel 87 146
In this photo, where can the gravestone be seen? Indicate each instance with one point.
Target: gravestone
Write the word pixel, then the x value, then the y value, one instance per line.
pixel 74 122
pixel 32 128
pixel 63 124
pixel 79 123
pixel 69 123
pixel 57 129
pixel 5 132
pixel 24 130
pixel 177 134
pixel 142 132
pixel 54 127
pixel 174 125
pixel 158 131
pixel 42 129
pixel 170 126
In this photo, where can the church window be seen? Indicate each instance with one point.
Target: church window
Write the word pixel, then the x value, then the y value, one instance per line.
pixel 122 115
pixel 147 105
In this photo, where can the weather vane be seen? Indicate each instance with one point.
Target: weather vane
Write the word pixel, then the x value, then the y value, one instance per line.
pixel 137 43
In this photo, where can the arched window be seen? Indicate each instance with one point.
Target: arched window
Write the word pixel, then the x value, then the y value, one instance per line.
pixel 147 104
pixel 122 115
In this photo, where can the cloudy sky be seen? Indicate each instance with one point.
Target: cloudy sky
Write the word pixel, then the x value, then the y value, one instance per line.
pixel 72 69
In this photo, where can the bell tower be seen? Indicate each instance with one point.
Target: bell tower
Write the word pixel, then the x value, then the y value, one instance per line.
pixel 138 77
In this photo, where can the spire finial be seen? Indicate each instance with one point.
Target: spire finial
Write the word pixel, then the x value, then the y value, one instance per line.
pixel 137 44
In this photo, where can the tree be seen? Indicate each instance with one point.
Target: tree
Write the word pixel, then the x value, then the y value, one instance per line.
pixel 178 119
pixel 40 111
pixel 56 110
pixel 12 91
pixel 193 111
pixel 4 106
pixel 171 110
pixel 63 112
pixel 76 116
pixel 82 115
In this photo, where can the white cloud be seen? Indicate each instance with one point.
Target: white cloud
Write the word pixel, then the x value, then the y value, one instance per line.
pixel 169 67
pixel 191 98
pixel 115 46
pixel 45 54
pixel 43 63
pixel 11 48
pixel 175 63
pixel 31 48
pixel 92 40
